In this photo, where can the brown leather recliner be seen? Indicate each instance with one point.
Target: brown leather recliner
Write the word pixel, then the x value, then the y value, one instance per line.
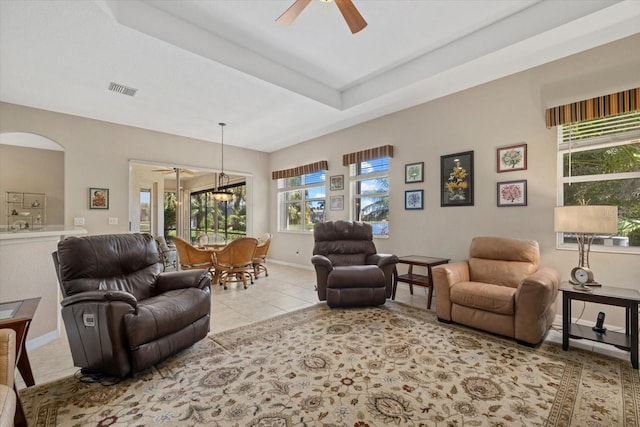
pixel 349 270
pixel 500 289
pixel 121 313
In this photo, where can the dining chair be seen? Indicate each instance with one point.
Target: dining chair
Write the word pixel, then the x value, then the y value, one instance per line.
pixel 192 258
pixel 234 262
pixel 260 256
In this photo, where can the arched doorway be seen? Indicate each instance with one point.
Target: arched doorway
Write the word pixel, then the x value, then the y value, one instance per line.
pixel 30 166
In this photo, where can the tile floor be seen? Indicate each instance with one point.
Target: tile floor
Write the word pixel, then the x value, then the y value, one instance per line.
pixel 286 289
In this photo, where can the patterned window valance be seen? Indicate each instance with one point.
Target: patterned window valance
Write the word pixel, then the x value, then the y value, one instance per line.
pixel 594 108
pixel 370 154
pixel 301 170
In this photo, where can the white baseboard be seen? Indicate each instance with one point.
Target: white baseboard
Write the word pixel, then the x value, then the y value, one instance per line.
pixel 583 322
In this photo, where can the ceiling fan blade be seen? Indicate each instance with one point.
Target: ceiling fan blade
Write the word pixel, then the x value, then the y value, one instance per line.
pixel 292 12
pixel 355 21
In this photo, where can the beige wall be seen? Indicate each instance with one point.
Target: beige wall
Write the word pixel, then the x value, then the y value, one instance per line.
pixel 24 169
pixel 501 113
pixel 98 154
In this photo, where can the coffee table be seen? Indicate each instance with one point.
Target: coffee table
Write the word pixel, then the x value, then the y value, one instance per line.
pixel 417 279
pixel 621 297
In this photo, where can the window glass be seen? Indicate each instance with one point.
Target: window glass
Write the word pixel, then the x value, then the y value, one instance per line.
pixel 228 219
pixel 597 171
pixel 301 201
pixel 371 198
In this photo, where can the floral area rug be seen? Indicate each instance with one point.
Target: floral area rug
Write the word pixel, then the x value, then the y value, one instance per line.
pixel 387 366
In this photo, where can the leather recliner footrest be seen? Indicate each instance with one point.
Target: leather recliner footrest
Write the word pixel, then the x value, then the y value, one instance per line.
pixel 356 276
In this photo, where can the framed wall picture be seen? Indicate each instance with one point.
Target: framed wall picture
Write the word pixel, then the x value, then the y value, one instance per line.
pixel 456 179
pixel 513 158
pixel 512 193
pixel 336 203
pixel 336 182
pixel 413 199
pixel 98 198
pixel 413 172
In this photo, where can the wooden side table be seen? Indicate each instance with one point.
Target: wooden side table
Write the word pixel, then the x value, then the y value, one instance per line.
pixel 17 315
pixel 417 279
pixel 621 297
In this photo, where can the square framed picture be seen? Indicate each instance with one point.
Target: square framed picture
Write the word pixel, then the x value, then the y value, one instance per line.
pixel 336 182
pixel 413 199
pixel 513 158
pixel 512 193
pixel 98 198
pixel 336 203
pixel 456 179
pixel 413 172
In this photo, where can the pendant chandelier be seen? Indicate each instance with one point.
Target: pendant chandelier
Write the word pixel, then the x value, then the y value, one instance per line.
pixel 223 179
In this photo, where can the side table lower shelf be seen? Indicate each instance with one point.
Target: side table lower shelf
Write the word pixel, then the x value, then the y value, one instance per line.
pixel 618 339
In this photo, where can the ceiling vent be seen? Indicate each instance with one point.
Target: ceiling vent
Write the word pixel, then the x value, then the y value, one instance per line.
pixel 125 90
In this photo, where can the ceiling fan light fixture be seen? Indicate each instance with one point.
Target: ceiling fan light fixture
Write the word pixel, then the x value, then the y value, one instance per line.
pixel 223 179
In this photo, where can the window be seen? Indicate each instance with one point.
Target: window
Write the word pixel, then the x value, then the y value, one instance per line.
pixel 145 210
pixel 370 184
pixel 228 219
pixel 170 225
pixel 600 164
pixel 301 200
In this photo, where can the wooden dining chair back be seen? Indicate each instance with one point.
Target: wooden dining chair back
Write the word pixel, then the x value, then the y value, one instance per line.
pixel 192 258
pixel 260 256
pixel 234 263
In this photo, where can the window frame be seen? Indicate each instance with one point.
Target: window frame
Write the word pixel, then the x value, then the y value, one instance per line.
pixel 355 177
pixel 577 146
pixel 283 203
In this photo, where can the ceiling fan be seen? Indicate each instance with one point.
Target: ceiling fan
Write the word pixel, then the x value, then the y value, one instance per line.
pixel 355 21
pixel 167 171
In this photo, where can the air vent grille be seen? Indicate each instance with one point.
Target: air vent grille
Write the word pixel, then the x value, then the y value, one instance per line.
pixel 124 90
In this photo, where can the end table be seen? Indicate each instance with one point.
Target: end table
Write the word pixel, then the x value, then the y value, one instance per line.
pixel 621 297
pixel 417 279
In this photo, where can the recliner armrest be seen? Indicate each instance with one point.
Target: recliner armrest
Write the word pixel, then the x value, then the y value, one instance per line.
pixel 322 261
pixel 444 277
pixel 100 296
pixel 382 260
pixel 539 290
pixel 451 273
pixel 173 280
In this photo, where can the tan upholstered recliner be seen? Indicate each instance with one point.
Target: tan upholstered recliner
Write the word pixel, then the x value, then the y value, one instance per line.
pixel 8 398
pixel 500 289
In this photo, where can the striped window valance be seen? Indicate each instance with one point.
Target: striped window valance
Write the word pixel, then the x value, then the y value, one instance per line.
pixel 370 154
pixel 301 170
pixel 594 108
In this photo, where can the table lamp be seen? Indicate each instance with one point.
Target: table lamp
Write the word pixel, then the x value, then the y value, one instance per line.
pixel 585 221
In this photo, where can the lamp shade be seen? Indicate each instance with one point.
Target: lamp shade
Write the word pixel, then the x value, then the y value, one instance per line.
pixel 586 219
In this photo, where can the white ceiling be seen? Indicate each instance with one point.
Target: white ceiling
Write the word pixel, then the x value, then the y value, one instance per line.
pixel 199 62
